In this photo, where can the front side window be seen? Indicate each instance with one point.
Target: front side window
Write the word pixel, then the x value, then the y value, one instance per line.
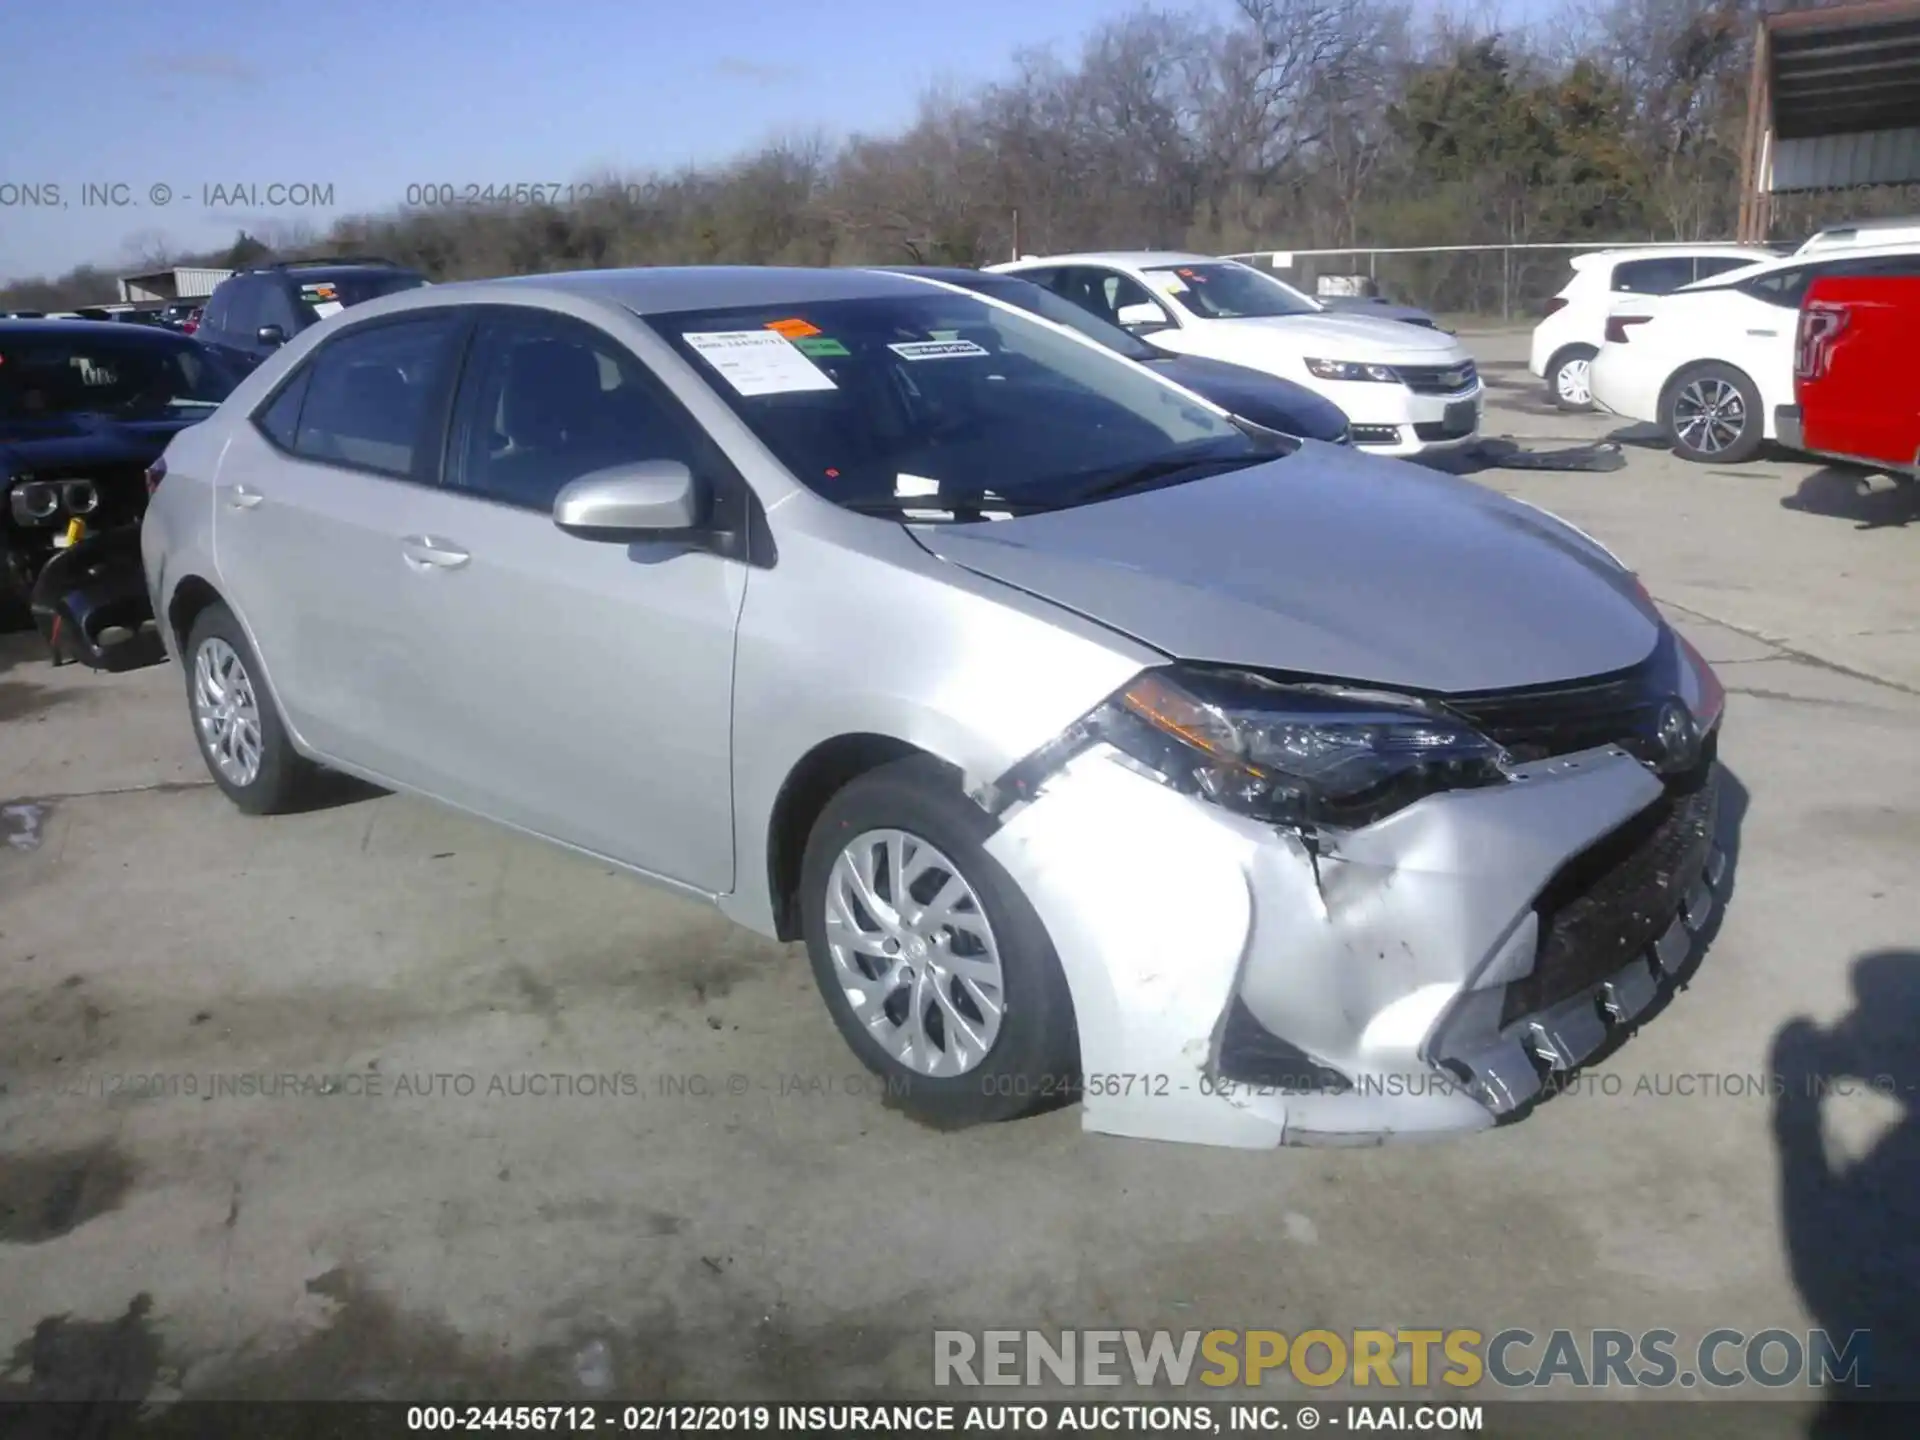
pixel 1223 290
pixel 372 401
pixel 1049 306
pixel 129 376
pixel 907 403
pixel 548 400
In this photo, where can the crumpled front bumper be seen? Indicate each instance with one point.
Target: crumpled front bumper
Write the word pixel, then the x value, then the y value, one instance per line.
pixel 1427 974
pixel 91 604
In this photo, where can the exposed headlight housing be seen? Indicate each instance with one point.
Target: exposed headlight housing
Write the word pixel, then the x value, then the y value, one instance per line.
pixel 1352 370
pixel 1288 754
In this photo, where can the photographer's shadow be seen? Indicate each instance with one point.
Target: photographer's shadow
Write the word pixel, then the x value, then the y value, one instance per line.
pixel 1853 1229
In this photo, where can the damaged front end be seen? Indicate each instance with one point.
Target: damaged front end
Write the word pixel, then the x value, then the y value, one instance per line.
pixel 1296 912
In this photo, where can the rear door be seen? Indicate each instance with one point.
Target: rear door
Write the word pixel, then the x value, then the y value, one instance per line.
pixel 312 509
pixel 1855 370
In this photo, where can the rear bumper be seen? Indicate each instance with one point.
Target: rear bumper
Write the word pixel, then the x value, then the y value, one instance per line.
pixel 91 606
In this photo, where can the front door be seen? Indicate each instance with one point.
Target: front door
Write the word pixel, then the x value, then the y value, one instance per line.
pixel 582 689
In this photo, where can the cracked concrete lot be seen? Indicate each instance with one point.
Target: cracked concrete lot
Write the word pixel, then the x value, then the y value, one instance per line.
pixel 379 1100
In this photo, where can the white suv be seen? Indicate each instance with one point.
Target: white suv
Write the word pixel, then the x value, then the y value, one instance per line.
pixel 1408 389
pixel 1712 364
pixel 1576 319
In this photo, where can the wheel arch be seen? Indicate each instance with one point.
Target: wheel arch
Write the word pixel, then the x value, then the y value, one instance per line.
pixel 193 595
pixel 1565 352
pixel 1683 372
pixel 815 779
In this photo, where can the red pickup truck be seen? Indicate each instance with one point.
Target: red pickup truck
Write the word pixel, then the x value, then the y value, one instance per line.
pixel 1857 372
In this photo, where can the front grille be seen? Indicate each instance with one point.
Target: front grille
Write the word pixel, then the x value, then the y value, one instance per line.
pixel 1614 899
pixel 1439 379
pixel 1621 708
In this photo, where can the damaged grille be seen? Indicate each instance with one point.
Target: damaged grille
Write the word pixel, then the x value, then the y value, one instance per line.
pixel 1614 899
pixel 1622 708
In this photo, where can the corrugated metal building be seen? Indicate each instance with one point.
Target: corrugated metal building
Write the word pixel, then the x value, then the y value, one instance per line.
pixel 179 283
pixel 1835 102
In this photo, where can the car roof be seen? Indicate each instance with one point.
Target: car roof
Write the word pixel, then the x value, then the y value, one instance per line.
pixel 663 289
pixel 1665 252
pixel 952 274
pixel 1131 259
pixel 92 327
pixel 1838 254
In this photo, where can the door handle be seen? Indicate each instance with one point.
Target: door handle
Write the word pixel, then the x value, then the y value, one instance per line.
pixel 242 497
pixel 1763 332
pixel 425 552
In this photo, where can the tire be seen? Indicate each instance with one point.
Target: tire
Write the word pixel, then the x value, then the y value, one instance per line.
pixel 1712 415
pixel 1567 383
pixel 939 1075
pixel 219 660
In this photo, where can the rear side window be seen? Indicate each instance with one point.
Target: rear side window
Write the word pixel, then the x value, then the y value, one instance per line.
pixel 1710 265
pixel 1653 277
pixel 1878 265
pixel 1786 288
pixel 374 399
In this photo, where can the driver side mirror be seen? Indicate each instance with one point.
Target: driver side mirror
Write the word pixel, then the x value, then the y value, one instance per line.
pixel 645 500
pixel 1143 318
pixel 270 335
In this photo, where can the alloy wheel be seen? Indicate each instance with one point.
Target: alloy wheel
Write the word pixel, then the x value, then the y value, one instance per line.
pixel 914 953
pixel 226 711
pixel 1573 384
pixel 1709 415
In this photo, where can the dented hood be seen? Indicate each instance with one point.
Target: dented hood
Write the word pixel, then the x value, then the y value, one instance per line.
pixel 1330 564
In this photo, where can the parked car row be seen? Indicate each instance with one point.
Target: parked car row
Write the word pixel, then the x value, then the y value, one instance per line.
pixel 1718 345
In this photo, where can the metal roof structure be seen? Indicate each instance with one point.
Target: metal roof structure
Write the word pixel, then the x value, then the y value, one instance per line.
pixel 1834 102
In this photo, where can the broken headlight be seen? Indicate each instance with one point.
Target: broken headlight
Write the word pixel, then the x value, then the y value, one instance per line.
pixel 1300 754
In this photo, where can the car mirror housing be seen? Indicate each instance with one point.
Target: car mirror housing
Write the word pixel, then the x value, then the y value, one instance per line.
pixel 270 335
pixel 648 499
pixel 1142 318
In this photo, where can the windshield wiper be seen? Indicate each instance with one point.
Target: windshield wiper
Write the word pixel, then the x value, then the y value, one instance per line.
pixel 1165 468
pixel 935 506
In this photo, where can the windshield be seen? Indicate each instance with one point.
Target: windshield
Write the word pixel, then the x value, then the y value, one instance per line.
pixel 42 376
pixel 323 295
pixel 908 403
pixel 1223 290
pixel 1049 306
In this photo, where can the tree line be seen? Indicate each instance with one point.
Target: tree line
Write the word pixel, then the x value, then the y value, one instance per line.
pixel 1260 125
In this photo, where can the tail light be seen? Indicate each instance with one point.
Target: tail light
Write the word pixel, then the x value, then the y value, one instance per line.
pixel 156 472
pixel 1556 305
pixel 1617 327
pixel 189 325
pixel 1820 326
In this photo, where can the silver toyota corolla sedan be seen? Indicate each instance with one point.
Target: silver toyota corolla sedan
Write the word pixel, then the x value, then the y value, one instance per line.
pixel 1249 790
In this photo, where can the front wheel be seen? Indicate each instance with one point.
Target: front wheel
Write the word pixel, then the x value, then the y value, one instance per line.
pixel 1712 415
pixel 1568 379
pixel 932 962
pixel 245 745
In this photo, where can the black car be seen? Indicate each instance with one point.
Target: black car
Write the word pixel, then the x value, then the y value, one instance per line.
pixel 1265 400
pixel 86 407
pixel 254 313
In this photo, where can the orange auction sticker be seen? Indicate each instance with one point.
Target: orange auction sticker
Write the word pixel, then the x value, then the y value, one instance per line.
pixel 794 329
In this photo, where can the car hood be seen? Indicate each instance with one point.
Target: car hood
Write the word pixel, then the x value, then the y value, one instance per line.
pixel 84 439
pixel 1378 309
pixel 1330 564
pixel 1331 335
pixel 1253 395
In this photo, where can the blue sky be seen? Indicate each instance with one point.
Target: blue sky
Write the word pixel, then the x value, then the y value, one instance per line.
pixel 369 98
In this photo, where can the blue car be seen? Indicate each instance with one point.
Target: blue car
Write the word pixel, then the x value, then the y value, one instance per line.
pixel 1262 399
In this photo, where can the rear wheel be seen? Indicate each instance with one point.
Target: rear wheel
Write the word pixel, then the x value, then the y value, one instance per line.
pixel 932 962
pixel 1568 381
pixel 1712 415
pixel 246 748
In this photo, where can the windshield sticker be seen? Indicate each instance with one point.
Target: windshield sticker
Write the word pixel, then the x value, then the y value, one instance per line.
pixel 820 345
pixel 324 308
pixel 937 350
pixel 759 362
pixel 906 486
pixel 1172 284
pixel 311 293
pixel 944 334
pixel 793 329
